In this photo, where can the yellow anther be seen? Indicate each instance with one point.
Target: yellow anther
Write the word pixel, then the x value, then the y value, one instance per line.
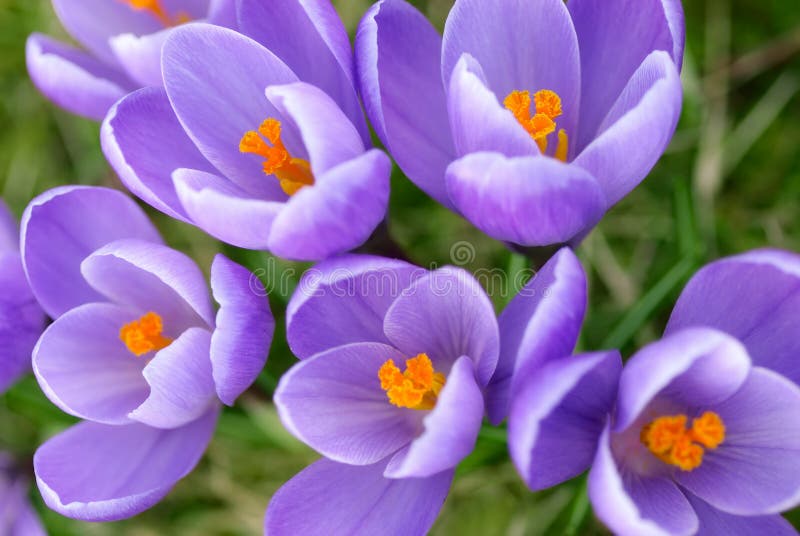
pixel 144 335
pixel 670 441
pixel 293 173
pixel 541 123
pixel 155 8
pixel 416 388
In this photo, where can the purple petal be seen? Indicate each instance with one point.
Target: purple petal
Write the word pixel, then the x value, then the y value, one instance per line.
pixel 540 324
pixel 558 415
pixel 398 59
pixel 337 214
pixel 9 230
pixel 478 121
pixel 344 300
pixel 215 110
pixel 629 504
pixel 715 522
pixel 240 343
pixel 21 320
pixel 451 428
pixel 526 46
pixel 152 277
pixel 140 56
pixel 73 79
pixel 644 117
pixel 334 403
pixel 62 227
pixel 224 210
pixel 754 471
pixel 315 503
pixel 692 367
pixel 84 367
pixel 328 135
pixel 144 142
pixel 531 201
pixel 446 315
pixel 181 386
pixel 223 13
pixel 615 37
pixel 762 312
pixel 96 472
pixel 311 39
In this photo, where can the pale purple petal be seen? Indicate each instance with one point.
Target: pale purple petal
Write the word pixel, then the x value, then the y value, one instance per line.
pixel 9 230
pixel 152 277
pixel 144 143
pixel 337 214
pixel 311 39
pixel 629 504
pixel 327 133
pixel 96 472
pixel 477 119
pixel 181 386
pixel 693 367
pixel 531 201
pixel 615 37
pixel 451 428
pixel 240 343
pixel 755 298
pixel 217 111
pixel 223 13
pixel 715 522
pixel 540 324
pixel 85 369
pixel 334 403
pixel 522 46
pixel 334 498
pixel 398 60
pixel 558 415
pixel 61 227
pixel 140 56
pixel 446 315
pixel 224 210
pixel 643 118
pixel 754 471
pixel 73 79
pixel 344 300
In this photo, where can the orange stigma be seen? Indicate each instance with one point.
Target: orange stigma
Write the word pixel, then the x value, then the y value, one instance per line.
pixel 144 335
pixel 671 442
pixel 541 123
pixel 293 173
pixel 416 388
pixel 155 8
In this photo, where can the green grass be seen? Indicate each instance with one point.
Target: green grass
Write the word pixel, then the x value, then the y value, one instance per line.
pixel 729 182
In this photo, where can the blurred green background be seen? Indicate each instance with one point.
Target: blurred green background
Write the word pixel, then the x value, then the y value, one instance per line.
pixel 729 182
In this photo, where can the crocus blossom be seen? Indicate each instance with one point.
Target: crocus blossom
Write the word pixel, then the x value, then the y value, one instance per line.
pixel 17 517
pixel 698 433
pixel 537 116
pixel 21 318
pixel 268 154
pixel 122 42
pixel 389 390
pixel 135 350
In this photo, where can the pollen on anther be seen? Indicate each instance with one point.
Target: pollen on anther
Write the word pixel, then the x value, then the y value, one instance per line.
pixel 144 335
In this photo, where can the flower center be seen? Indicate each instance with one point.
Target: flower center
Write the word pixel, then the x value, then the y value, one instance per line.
pixel 157 10
pixel 144 335
pixel 541 123
pixel 416 388
pixel 293 173
pixel 672 442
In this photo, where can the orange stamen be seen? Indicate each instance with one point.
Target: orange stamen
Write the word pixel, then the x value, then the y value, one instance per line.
pixel 293 173
pixel 541 123
pixel 157 10
pixel 416 388
pixel 670 441
pixel 144 335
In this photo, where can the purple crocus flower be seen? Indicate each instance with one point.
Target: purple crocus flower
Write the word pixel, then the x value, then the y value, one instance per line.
pixel 17 517
pixel 699 432
pixel 288 171
pixel 122 41
pixel 135 350
pixel 590 85
pixel 21 318
pixel 389 391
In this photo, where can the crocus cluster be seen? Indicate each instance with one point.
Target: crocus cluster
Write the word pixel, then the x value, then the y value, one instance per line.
pixel 135 350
